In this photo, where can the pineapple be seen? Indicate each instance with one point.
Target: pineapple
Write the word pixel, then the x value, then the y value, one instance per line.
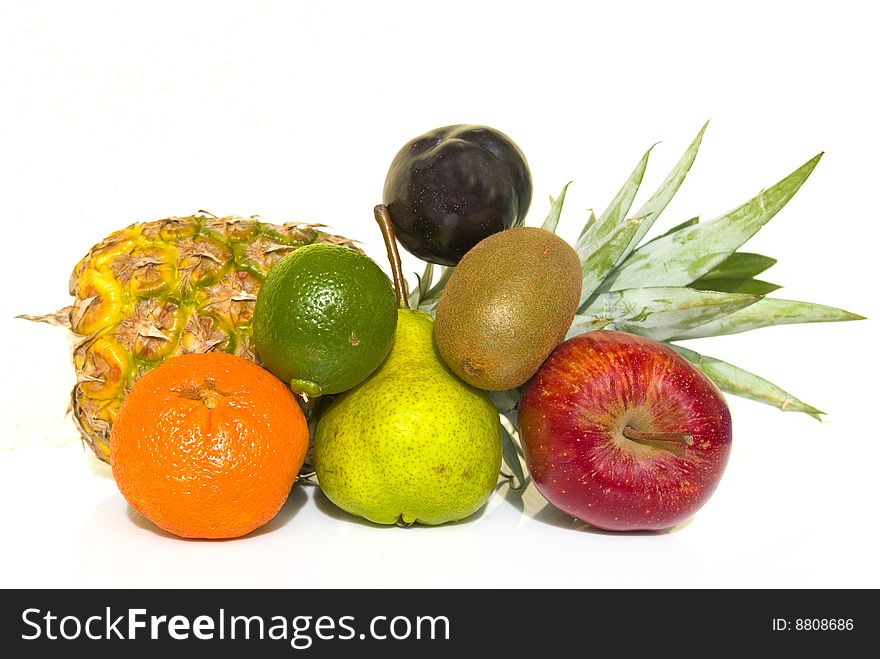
pixel 690 282
pixel 164 288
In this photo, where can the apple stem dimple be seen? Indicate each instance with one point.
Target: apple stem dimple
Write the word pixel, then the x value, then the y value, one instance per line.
pixel 383 217
pixel 676 441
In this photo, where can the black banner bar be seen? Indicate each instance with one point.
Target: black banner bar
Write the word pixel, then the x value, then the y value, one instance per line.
pixel 288 623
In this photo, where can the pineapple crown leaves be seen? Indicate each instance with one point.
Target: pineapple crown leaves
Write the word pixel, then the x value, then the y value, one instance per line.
pixel 735 380
pixel 687 283
pixel 691 282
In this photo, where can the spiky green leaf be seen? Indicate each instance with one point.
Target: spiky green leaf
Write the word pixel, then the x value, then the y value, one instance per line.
pixel 596 264
pixel 678 227
pixel 685 256
pixel 661 313
pixel 658 201
pixel 552 219
pixel 753 286
pixel 590 222
pixel 415 296
pixel 616 212
pixel 740 265
pixel 504 401
pixel 734 380
pixel 428 306
pixel 766 313
pixel 424 284
pixel 511 459
pixel 426 279
pixel 437 289
pixel 582 323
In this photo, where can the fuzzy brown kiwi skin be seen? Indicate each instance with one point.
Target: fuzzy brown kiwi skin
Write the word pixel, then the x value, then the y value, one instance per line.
pixel 506 306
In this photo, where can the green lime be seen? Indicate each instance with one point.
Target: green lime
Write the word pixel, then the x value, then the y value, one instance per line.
pixel 325 318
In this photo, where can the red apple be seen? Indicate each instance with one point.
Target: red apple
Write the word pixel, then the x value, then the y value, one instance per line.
pixel 622 433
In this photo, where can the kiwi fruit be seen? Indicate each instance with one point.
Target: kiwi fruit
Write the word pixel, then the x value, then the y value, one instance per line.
pixel 507 305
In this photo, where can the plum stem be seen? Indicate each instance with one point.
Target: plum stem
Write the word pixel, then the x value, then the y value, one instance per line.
pixel 675 441
pixel 383 217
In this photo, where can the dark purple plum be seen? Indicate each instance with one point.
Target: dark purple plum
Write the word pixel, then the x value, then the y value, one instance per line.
pixel 453 186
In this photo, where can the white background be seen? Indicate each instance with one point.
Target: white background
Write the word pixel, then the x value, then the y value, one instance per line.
pixel 117 112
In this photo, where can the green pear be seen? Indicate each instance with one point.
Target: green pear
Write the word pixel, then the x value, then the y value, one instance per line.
pixel 412 443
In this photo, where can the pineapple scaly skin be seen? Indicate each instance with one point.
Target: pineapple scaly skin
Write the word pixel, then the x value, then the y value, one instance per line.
pixel 168 287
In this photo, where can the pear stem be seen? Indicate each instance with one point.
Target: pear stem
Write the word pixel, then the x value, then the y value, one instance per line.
pixel 383 217
pixel 675 439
